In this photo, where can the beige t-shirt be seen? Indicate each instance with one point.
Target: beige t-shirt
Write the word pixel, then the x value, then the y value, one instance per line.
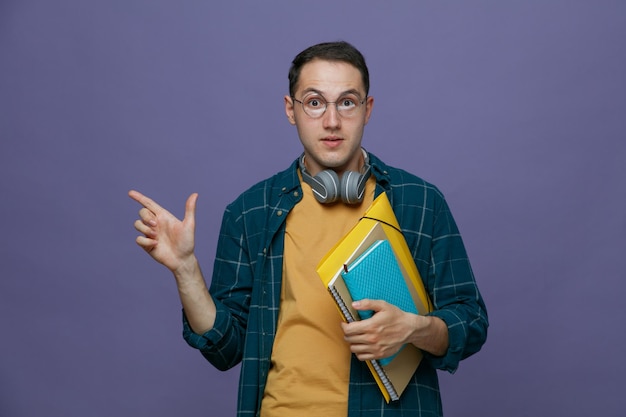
pixel 310 364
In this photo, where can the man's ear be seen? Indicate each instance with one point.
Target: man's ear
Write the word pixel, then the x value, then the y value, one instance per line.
pixel 289 110
pixel 369 105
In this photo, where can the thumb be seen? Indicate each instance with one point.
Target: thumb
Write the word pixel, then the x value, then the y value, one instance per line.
pixel 367 304
pixel 190 208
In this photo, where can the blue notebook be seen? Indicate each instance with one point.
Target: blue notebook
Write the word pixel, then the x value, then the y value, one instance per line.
pixel 375 275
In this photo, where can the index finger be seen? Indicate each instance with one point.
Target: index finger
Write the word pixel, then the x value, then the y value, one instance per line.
pixel 147 202
pixel 356 328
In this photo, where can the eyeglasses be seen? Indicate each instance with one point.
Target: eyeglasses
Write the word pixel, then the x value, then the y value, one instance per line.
pixel 315 105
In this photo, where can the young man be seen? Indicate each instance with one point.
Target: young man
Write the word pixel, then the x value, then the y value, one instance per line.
pixel 267 308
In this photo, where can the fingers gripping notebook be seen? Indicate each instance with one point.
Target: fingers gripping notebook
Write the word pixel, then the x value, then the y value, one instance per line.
pixel 375 275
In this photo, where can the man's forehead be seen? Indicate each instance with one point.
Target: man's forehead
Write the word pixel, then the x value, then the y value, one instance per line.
pixel 332 76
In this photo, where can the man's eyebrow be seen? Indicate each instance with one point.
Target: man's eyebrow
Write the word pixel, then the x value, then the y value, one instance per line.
pixel 311 90
pixel 344 93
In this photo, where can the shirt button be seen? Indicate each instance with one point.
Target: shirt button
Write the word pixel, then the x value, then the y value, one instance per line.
pixel 296 194
pixel 279 213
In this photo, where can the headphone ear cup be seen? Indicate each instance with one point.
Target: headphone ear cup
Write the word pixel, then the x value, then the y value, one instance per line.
pixel 350 184
pixel 326 186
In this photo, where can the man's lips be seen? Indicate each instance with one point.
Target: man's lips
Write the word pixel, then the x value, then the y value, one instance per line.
pixel 332 141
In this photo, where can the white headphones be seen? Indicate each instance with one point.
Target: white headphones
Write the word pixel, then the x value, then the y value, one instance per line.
pixel 328 188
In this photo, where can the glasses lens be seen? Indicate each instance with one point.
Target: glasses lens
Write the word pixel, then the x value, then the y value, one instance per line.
pixel 314 105
pixel 348 105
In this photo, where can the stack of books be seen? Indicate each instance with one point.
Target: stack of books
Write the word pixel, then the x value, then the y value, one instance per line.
pixel 373 261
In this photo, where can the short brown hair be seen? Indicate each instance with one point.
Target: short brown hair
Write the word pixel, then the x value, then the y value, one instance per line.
pixel 329 51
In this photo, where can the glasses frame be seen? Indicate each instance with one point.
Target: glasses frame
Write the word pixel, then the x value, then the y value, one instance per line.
pixel 326 103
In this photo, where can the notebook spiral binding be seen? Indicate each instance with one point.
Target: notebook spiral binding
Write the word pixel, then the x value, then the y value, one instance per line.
pixel 379 370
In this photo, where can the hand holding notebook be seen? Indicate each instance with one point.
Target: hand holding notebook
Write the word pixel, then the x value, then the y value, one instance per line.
pixel 375 275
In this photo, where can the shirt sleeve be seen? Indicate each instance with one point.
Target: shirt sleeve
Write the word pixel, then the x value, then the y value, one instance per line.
pixel 216 345
pixel 230 289
pixel 456 298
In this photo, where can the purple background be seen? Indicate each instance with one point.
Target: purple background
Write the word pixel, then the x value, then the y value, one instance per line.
pixel 516 110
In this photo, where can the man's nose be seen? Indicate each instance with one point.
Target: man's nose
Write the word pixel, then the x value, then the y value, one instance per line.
pixel 332 119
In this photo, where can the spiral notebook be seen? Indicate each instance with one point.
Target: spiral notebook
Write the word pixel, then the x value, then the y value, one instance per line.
pixel 378 223
pixel 376 275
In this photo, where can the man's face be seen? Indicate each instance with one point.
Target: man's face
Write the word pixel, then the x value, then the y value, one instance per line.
pixel 332 140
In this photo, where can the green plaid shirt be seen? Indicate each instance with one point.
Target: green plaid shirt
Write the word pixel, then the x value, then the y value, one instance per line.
pixel 247 276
